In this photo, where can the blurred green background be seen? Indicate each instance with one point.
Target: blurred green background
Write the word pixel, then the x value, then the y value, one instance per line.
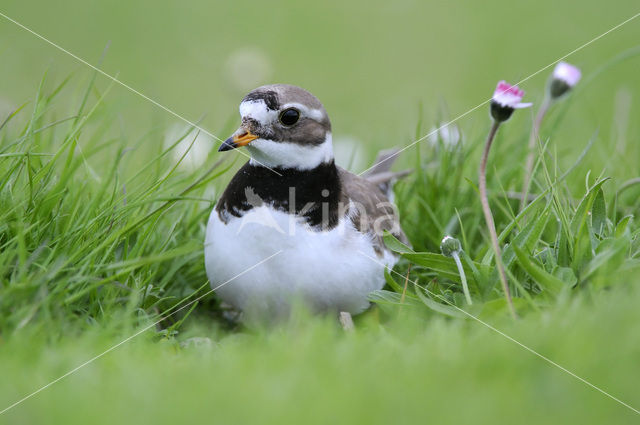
pixel 380 68
pixel 371 63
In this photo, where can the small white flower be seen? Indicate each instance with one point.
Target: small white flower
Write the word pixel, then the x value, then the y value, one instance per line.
pixel 567 73
pixel 564 77
pixel 449 134
pixel 248 67
pixel 196 154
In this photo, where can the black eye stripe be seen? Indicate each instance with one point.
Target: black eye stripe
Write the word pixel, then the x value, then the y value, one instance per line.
pixel 289 116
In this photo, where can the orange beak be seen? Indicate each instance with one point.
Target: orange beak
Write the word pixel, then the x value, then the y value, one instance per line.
pixel 241 138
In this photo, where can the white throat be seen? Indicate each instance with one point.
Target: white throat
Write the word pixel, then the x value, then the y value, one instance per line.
pixel 290 155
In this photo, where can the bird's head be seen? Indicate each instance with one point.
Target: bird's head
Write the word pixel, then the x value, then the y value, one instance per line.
pixel 283 126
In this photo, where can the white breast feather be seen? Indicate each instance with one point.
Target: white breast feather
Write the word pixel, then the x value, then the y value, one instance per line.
pixel 327 269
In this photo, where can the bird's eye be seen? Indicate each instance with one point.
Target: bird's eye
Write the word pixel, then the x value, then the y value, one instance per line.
pixel 289 116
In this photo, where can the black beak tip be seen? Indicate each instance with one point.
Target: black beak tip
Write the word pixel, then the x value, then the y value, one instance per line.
pixel 227 145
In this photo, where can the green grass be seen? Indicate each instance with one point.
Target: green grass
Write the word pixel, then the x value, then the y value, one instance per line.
pixel 94 249
pixel 79 246
pixel 101 230
pixel 412 369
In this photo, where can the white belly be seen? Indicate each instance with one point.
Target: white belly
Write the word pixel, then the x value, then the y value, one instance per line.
pixel 326 269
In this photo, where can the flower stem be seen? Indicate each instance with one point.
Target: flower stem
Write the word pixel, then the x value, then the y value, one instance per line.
pixel 489 217
pixel 533 138
pixel 463 277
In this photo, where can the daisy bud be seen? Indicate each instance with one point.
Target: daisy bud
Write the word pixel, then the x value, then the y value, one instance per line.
pixel 564 77
pixel 506 98
pixel 450 246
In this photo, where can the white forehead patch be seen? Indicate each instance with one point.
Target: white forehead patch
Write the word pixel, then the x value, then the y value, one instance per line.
pixel 257 110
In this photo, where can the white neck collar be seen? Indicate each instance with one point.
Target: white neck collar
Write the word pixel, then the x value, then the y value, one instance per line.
pixel 290 155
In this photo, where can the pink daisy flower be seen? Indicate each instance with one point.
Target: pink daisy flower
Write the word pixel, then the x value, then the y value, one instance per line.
pixel 508 95
pixel 506 98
